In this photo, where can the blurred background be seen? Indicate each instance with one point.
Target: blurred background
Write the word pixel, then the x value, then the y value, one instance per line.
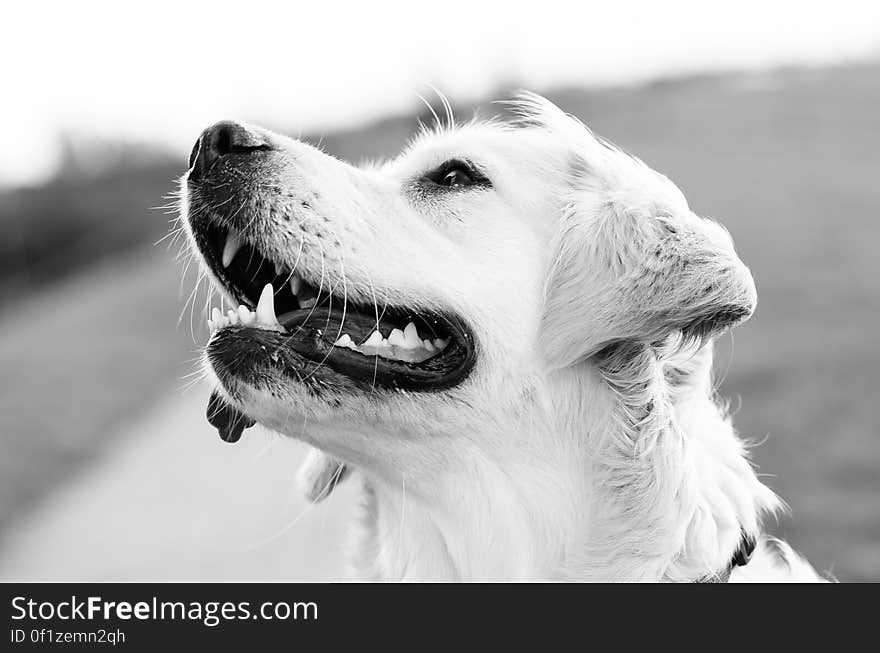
pixel 766 114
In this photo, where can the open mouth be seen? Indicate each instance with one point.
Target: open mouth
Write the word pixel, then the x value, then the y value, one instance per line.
pixel 376 346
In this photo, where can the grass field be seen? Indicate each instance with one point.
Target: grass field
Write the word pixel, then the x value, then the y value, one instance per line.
pixel 787 161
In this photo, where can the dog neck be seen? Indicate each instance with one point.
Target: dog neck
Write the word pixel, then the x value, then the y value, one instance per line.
pixel 625 470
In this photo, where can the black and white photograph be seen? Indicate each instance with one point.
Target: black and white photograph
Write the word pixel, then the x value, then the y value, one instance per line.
pixel 449 292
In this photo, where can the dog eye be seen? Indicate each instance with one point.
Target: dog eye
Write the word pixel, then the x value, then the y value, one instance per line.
pixel 457 174
pixel 457 177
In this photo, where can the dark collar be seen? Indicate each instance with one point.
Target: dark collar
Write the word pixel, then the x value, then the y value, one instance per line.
pixel 740 559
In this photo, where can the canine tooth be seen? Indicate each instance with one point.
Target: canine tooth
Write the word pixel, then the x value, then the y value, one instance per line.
pixel 440 344
pixel 411 334
pixel 375 340
pixel 295 283
pixel 266 308
pixel 279 268
pixel 397 339
pixel 345 341
pixel 233 243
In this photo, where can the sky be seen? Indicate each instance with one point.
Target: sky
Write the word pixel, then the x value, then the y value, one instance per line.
pixel 159 72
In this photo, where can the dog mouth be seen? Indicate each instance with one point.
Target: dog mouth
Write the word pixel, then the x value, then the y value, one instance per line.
pixel 313 330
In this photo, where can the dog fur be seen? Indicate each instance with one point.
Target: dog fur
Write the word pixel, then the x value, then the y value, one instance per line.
pixel 587 444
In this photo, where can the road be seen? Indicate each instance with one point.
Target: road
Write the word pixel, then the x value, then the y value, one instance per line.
pixel 168 501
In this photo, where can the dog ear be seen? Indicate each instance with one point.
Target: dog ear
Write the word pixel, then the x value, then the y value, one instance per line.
pixel 319 475
pixel 636 265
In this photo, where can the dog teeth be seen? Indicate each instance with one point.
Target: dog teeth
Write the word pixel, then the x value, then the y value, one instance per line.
pixel 279 268
pixel 399 345
pixel 295 283
pixel 233 317
pixel 402 345
pixel 397 339
pixel 375 340
pixel 266 308
pixel 411 337
pixel 246 316
pixel 264 316
pixel 233 244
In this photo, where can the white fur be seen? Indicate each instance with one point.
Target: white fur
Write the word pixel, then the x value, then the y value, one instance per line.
pixel 587 443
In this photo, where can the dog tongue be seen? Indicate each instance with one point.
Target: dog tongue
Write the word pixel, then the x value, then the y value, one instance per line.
pixel 229 421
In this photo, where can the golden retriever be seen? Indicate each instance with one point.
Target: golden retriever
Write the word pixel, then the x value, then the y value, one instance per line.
pixel 504 334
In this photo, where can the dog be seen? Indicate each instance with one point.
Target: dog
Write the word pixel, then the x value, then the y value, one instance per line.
pixel 504 334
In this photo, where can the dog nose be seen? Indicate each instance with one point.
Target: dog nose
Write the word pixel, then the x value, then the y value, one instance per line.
pixel 222 139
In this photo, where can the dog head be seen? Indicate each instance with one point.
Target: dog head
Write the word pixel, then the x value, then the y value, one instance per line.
pixel 399 308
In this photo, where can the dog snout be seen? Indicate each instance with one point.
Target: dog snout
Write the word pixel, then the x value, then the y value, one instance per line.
pixel 220 140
